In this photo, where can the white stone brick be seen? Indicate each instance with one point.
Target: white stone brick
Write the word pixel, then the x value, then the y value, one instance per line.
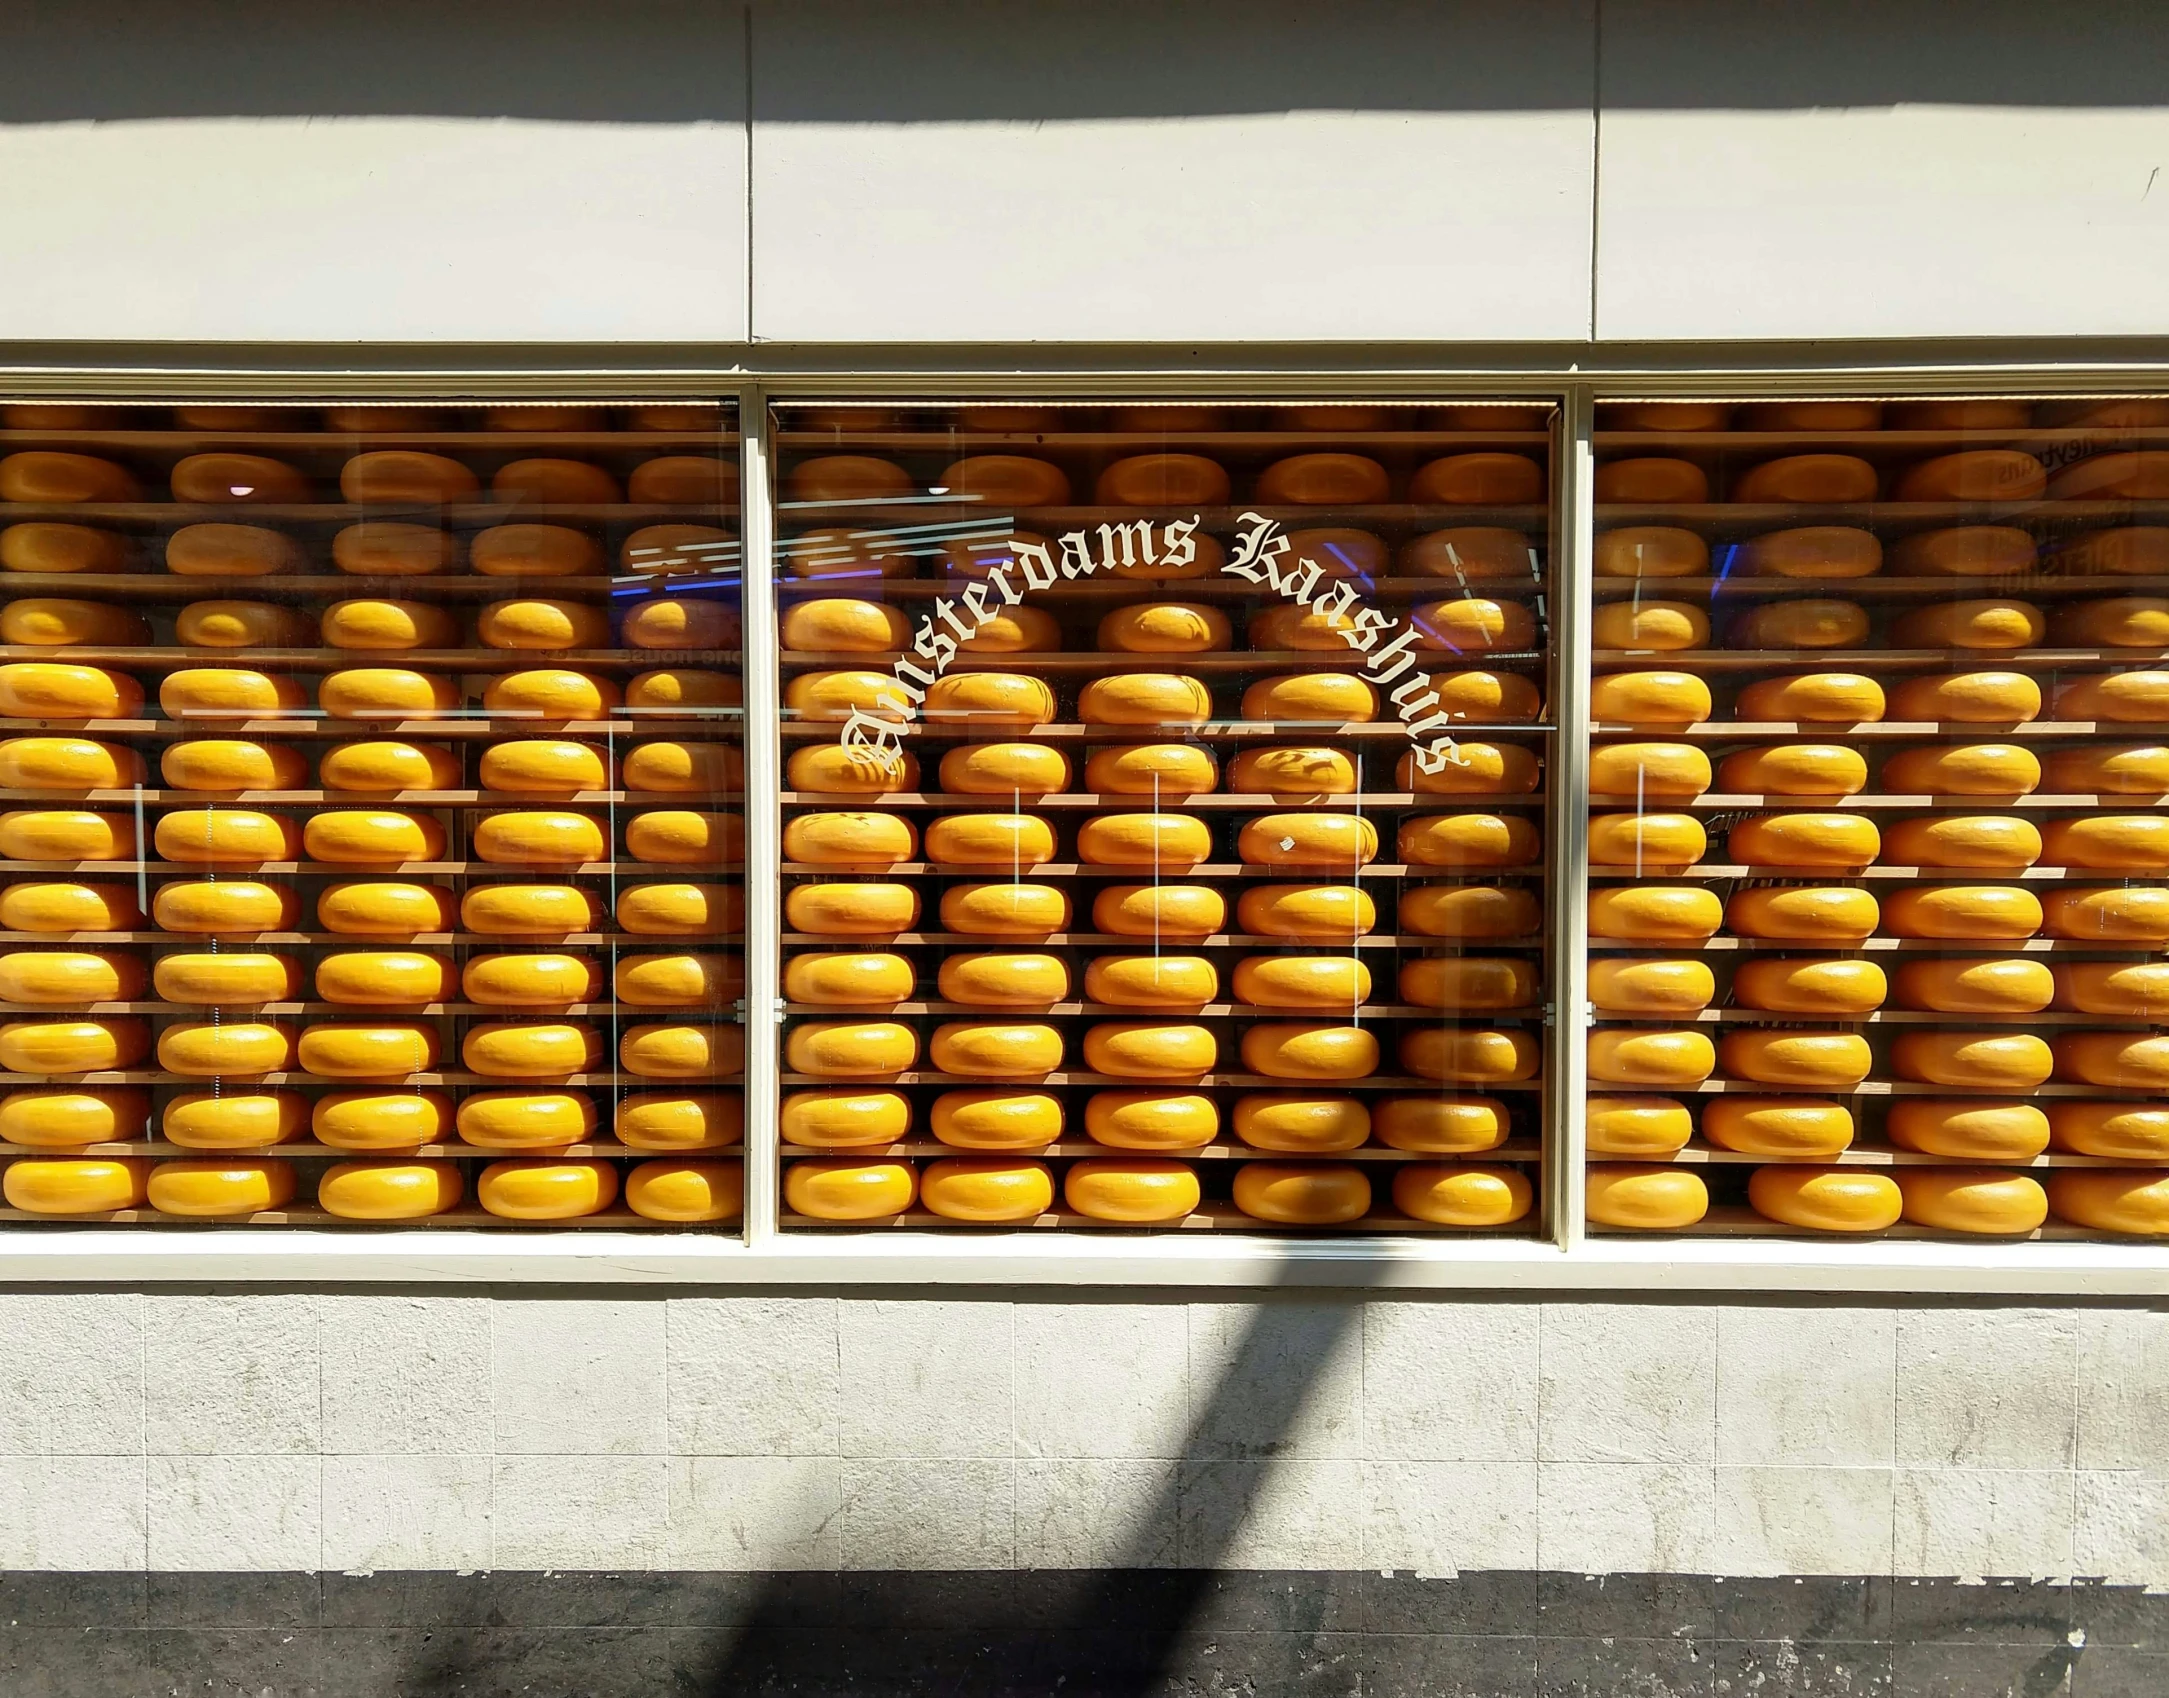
pixel 1987 1388
pixel 1097 1512
pixel 578 1376
pixel 406 1376
pixel 72 1512
pixel 1287 1513
pixel 1806 1384
pixel 1980 1522
pixel 71 1373
pixel 249 1514
pixel 580 1512
pixel 1439 1518
pixel 1628 1382
pixel 2121 1529
pixel 751 1514
pixel 227 1376
pixel 948 1512
pixel 926 1379
pixel 406 1512
pixel 1101 1379
pixel 2123 1388
pixel 1445 1381
pixel 753 1376
pixel 1276 1378
pixel 1626 1517
pixel 1775 1521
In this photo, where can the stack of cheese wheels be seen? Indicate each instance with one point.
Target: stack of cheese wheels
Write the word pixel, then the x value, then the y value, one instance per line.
pixel 1878 867
pixel 401 877
pixel 1144 868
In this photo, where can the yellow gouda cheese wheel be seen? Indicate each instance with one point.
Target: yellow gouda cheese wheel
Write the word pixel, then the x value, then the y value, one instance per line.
pixel 2137 1131
pixel 1977 1200
pixel 1151 769
pixel 2112 987
pixel 1301 1123
pixel 1132 1192
pixel 46 689
pixel 995 1049
pixel 226 766
pixel 1167 841
pixel 1777 1126
pixel 211 1189
pixel 382 908
pixel 1459 480
pixel 1804 840
pixel 381 1120
pixel 231 551
pixel 686 769
pixel 552 481
pixel 1461 1195
pixel 1968 698
pixel 850 840
pixel 1648 772
pixel 1141 698
pixel 2123 1060
pixel 68 763
pixel 1628 984
pixel 686 837
pixel 1652 551
pixel 1970 1128
pixel 1433 1125
pixel 1317 912
pixel 675 1120
pixel 1331 982
pixel 1652 478
pixel 363 837
pixel 1472 769
pixel 1976 985
pixel 1292 772
pixel 1805 479
pixel 226 837
pixel 1974 474
pixel 2133 1203
pixel 1342 841
pixel 995 699
pixel 686 1191
pixel 1473 624
pixel 848 978
pixel 1325 480
pixel 1171 627
pixel 680 622
pixel 2121 769
pixel 1786 1057
pixel 1648 913
pixel 1994 623
pixel 1468 1055
pixel 546 1190
pixel 543 766
pixel 829 910
pixel 539 980
pixel 1151 1119
pixel 1985 842
pixel 386 692
pixel 850 1049
pixel 2127 551
pixel 385 767
pixel 394 549
pixel 1472 840
pixel 1485 698
pixel 1146 1049
pixel 1825 1199
pixel 1004 769
pixel 1660 625
pixel 1176 982
pixel 1466 982
pixel 235 977
pixel 233 1120
pixel 1632 1197
pixel 835 1119
pixel 336 1049
pixel 539 839
pixel 224 905
pixel 1470 554
pixel 1813 551
pixel 546 693
pixel 1833 697
pixel 543 624
pixel 1795 769
pixel 81 1186
pixel 1637 1126
pixel 57 1117
pixel 2110 842
pixel 1807 985
pixel 2132 914
pixel 58 621
pixel 210 1049
pixel 844 625
pixel 67 905
pixel 2139 697
pixel 997 1119
pixel 1819 624
pixel 849 1190
pixel 986 1189
pixel 46 547
pixel 526 1120
pixel 530 1049
pixel 1649 698
pixel 1650 1055
pixel 394 625
pixel 1656 842
pixel 1302 1194
pixel 2002 1060
pixel 1004 842
pixel 1179 911
pixel 1964 769
pixel 831 769
pixel 1963 911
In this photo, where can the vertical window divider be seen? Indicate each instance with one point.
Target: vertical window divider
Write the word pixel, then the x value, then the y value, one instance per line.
pixel 764 813
pixel 1573 557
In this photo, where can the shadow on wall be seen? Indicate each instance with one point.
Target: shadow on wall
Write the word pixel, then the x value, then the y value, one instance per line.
pixel 912 61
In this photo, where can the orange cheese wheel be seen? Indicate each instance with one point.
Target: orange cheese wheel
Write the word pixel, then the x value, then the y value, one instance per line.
pixel 68 763
pixel 2135 697
pixel 1467 1055
pixel 1834 697
pixel 1660 625
pixel 231 551
pixel 2132 843
pixel 546 1190
pixel 684 769
pixel 2123 1060
pixel 1301 1123
pixel 1637 1126
pixel 1961 415
pixel 1467 982
pixel 1964 769
pixel 1974 913
pixel 986 1189
pixel 540 624
pixel 1777 1126
pixel 1340 841
pixel 65 834
pixel 686 1191
pixel 1649 698
pixel 840 839
pixel 382 908
pixel 219 764
pixel 59 1117
pixel 1974 1200
pixel 213 1049
pixel 1309 1050
pixel 683 480
pixel 1986 625
pixel 1471 480
pixel 1145 1049
pixel 1487 698
pixel 1791 416
pixel 1654 913
pixel 69 905
pixel 1976 985
pixel 51 689
pixel 383 978
pixel 993 842
pixel 379 837
pixel 1470 554
pixel 1663 415
pixel 1175 982
pixel 2135 1131
pixel 1651 551
pixel 834 1119
pixel 1310 912
pixel 1004 769
pixel 685 1050
pixel 1288 626
pixel 2132 914
pixel 1650 1055
pixel 227 837
pixel 1325 480
pixel 1968 698
pixel 1820 624
pixel 837 695
pixel 843 625
pixel 1434 1125
pixel 1820 840
pixel 526 1120
pixel 1150 698
pixel 385 692
pixel 1990 1060
pixel 1005 910
pixel 997 1119
pixel 831 769
pixel 849 1190
pixel 1480 840
pixel 1825 1199
pixel 847 477
pixel 680 622
pixel 47 547
pixel 542 766
pixel 1471 912
pixel 237 906
pixel 1652 478
pixel 1649 772
pixel 2136 1204
pixel 2138 475
pixel 1474 624
pixel 388 766
pixel 839 551
pixel 850 1049
pixel 1806 479
pixel 1150 769
pixel 1007 480
pixel 1968 1128
pixel 1016 630
pixel 1645 842
pixel 848 978
pixel 1982 842
pixel 1292 772
pixel 2140 622
pixel 1633 984
pixel 78 1186
pixel 73 1046
pixel 1301 1194
pixel 1168 841
pixel 545 693
pixel 1808 985
pixel 1630 1197
pixel 2113 987
pixel 1462 1195
pixel 48 475
pixel 2127 551
pixel 1151 1119
pixel 2117 769
pixel 226 978
pixel 1795 769
pixel 1813 551
pixel 231 1120
pixel 546 481
pixel 389 549
pixel 1133 1193
pixel 1782 1057
pixel 536 910
pixel 1472 769
pixel 57 621
pixel 994 1049
pixel 406 477
pixel 1004 979
pixel 1974 474
pixel 1156 480
pixel 395 625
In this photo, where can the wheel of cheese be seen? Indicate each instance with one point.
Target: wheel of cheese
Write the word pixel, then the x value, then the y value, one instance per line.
pixel 2138 696
pixel 211 1049
pixel 1151 1119
pixel 60 834
pixel 1634 1198
pixel 1432 1125
pixel 219 906
pixel 829 910
pixel 849 1190
pixel 73 1046
pixel 687 1191
pixel 833 770
pixel 1006 480
pixel 1009 421
pixel 683 689
pixel 1649 913
pixel 81 1186
pixel 546 1190
pixel 1661 625
pixel 698 1120
pixel 684 769
pixel 1340 551
pixel 1151 769
pixel 1173 911
pixel 381 1120
pixel 232 692
pixel 1835 697
pixel 536 838
pixel 1970 1128
pixel 49 476
pixel 1663 415
pixel 1464 982
pixel 1164 420
pixel 383 908
pixel 1777 1126
pixel 232 551
pixel 2124 915
pixel 1005 910
pixel 996 1049
pixel 1804 840
pixel 540 980
pixel 1338 982
pixel 2121 1060
pixel 355 1050
pixel 1961 415
pixel 1139 698
pixel 1983 842
pixel 1825 1199
pixel 394 550
pixel 46 689
pixel 1799 480
pixel 843 625
pixel 2113 987
pixel 682 622
pixel 534 551
pixel 1790 416
pixel 1965 769
pixel 1005 979
pixel 543 419
pixel 226 837
pixel 2108 842
pixel 1292 772
pixel 1651 842
pixel 2128 551
pixel 406 477
pixel 1007 842
pixel 1989 624
pixel 1637 1126
pixel 526 1120
pixel 1813 551
pixel 68 763
pixel 848 978
pixel 678 910
pixel 1178 983
pixel 2140 475
pixel 1016 630
pixel 552 910
pixel 987 1190
pixel 1469 554
pixel 1492 480
pixel 225 978
pixel 1474 913
pixel 1806 985
pixel 1650 551
pixel 530 1049
pixel 56 1117
pixel 1467 1055
pixel 385 692
pixel 1302 1123
pixel 377 837
pixel 1460 1195
pixel 1649 772
pixel 2134 622
pixel 537 623
pixel 68 905
pixel 43 546
pixel 1000 699
pixel 545 694
pixel 837 695
pixel 1634 984
pixel 382 978
pixel 1782 1057
pixel 1004 769
pixel 210 1189
pixel 1795 769
pixel 1971 985
pixel 1472 769
pixel 1968 698
pixel 2010 1061
pixel 233 1120
pixel 1172 627
pixel 227 766
pixel 1498 698
pixel 830 1119
pixel 1149 1049
pixel 543 766
pixel 1649 698
pixel 1131 1193
pixel 1968 912
pixel 683 480
pixel 1650 1055
pixel 1974 474
pixel 1500 840
pixel 1819 624
pixel 1979 1200
pixel 2135 1131
pixel 1302 1193
pixel 545 481
pixel 847 477
pixel 1343 841
pixel 1331 480
pixel 997 1119
pixel 385 767
pixel 2136 1204
pixel 1650 478
pixel 847 552
pixel 365 420
pixel 56 622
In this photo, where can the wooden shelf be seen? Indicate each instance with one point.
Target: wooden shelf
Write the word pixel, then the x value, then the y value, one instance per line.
pixel 342 869
pixel 1866 1088
pixel 383 1081
pixel 1193 1081
pixel 370 798
pixel 1762 660
pixel 1704 1155
pixel 824 731
pixel 1513 1150
pixel 616 1219
pixel 1208 1217
pixel 1880 1017
pixel 1881 945
pixel 1167 872
pixel 468 660
pixel 723 1013
pixel 311 723
pixel 631 444
pixel 468 514
pixel 309 1148
pixel 1116 1011
pixel 1170 803
pixel 1096 661
pixel 355 940
pixel 1249 443
pixel 1168 945
pixel 1717 801
pixel 1876 873
pixel 1118 591
pixel 1828 731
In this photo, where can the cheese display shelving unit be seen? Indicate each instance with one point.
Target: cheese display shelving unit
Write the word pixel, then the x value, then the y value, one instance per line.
pixel 1879 856
pixel 371 806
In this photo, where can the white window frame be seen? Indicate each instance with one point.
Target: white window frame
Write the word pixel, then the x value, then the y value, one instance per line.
pixel 1563 1257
